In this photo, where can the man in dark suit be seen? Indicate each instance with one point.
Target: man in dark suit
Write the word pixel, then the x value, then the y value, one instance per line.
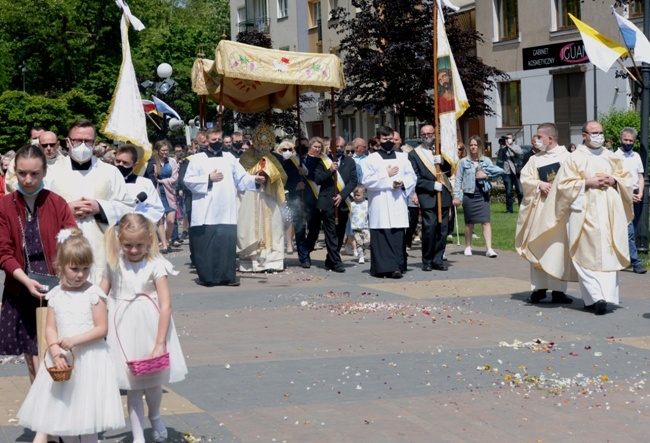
pixel 324 175
pixel 434 234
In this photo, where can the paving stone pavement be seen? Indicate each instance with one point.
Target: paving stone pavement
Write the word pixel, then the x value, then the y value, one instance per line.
pixel 457 356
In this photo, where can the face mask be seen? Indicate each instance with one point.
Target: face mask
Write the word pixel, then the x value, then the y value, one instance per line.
pixel 540 145
pixel 125 171
pixel 429 141
pixel 203 148
pixel 340 153
pixel 508 141
pixel 626 147
pixel 237 145
pixel 597 140
pixel 387 146
pixel 34 142
pixel 31 194
pixel 287 155
pixel 81 153
pixel 216 146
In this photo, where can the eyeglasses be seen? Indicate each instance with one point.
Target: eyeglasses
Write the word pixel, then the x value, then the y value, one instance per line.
pixel 349 152
pixel 49 145
pixel 286 150
pixel 78 141
pixel 596 133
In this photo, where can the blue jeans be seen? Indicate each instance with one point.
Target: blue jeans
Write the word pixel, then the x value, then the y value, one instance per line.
pixel 634 255
pixel 509 180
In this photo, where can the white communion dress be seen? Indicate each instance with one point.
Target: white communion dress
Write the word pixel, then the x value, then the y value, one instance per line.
pixel 135 318
pixel 90 401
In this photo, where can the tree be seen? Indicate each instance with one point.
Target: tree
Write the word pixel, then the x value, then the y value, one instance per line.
pixel 388 55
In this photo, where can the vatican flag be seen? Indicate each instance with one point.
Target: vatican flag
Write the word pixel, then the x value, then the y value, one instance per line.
pixel 126 119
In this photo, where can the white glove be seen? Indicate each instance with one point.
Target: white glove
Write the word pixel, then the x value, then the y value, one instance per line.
pixel 437 186
pixel 437 159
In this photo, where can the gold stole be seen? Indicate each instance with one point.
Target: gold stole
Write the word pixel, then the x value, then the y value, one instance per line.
pixel 312 185
pixel 432 168
pixel 253 163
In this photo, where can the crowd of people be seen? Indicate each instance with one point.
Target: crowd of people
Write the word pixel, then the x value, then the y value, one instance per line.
pixel 85 218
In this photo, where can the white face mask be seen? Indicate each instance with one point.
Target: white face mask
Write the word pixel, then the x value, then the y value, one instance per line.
pixel 287 155
pixel 539 144
pixel 597 140
pixel 81 152
pixel 429 141
pixel 508 141
pixel 34 142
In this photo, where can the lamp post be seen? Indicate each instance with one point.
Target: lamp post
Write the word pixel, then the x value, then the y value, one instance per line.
pixel 642 224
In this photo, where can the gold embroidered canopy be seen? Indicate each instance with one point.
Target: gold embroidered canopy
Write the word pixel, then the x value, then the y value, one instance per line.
pixel 255 79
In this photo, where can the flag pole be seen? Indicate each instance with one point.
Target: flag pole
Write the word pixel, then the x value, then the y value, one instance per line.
pixel 436 110
pixel 627 70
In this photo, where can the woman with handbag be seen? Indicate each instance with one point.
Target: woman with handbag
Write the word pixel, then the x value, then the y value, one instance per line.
pixel 141 333
pixel 163 172
pixel 472 184
pixel 30 219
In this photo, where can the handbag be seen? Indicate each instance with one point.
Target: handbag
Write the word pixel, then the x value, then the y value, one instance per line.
pixel 147 365
pixel 46 280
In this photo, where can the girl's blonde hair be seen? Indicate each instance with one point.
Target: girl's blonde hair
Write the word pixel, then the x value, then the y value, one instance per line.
pixel 130 223
pixel 74 250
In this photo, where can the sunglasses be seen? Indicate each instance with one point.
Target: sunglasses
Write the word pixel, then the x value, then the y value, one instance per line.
pixel 349 152
pixel 48 145
pixel 286 150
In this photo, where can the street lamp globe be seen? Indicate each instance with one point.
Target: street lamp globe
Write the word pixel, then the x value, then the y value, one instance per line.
pixel 164 70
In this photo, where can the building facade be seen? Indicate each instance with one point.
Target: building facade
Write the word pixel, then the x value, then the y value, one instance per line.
pixel 551 79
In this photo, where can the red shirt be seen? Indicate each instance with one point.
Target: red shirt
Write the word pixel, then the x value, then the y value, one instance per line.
pixel 53 215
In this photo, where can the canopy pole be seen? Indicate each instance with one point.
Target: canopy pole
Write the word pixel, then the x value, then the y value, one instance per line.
pixel 298 147
pixel 221 104
pixel 202 113
pixel 436 110
pixel 333 151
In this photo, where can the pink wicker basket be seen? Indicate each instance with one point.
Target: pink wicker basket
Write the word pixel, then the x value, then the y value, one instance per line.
pixel 144 365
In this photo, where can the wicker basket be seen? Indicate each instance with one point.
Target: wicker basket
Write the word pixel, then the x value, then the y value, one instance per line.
pixel 58 374
pixel 145 365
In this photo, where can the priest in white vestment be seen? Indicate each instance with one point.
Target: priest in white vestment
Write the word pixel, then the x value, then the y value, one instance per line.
pixel 583 226
pixel 536 179
pixel 94 190
pixel 389 179
pixel 260 227
pixel 214 177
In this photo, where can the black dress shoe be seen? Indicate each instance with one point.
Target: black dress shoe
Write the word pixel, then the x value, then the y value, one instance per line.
pixel 537 296
pixel 442 267
pixel 235 282
pixel 339 269
pixel 305 264
pixel 600 307
pixel 396 274
pixel 427 268
pixel 560 298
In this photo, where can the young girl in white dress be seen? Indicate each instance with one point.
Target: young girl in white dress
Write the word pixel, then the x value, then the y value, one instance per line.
pixel 89 402
pixel 134 266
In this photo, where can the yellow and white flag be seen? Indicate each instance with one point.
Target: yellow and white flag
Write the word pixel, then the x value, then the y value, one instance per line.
pixel 602 51
pixel 126 120
pixel 452 100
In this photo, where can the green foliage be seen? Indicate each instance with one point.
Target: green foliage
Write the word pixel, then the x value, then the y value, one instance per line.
pixel 20 112
pixel 615 120
pixel 74 47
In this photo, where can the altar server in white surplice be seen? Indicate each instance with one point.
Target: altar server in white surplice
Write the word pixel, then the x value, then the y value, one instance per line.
pixel 214 177
pixel 94 190
pixel 389 179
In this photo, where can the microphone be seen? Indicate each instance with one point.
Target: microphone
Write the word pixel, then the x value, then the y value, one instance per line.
pixel 141 197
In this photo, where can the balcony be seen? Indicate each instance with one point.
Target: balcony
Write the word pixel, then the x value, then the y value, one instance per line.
pixel 260 24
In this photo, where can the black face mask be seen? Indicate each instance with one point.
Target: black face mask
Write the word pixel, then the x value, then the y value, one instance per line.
pixel 387 146
pixel 203 148
pixel 216 146
pixel 340 153
pixel 125 171
pixel 237 145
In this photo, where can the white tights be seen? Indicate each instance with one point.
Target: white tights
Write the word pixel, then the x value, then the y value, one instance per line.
pixel 136 411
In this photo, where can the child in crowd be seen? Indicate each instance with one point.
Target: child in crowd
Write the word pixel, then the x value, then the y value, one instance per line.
pixel 142 323
pixel 89 402
pixel 359 221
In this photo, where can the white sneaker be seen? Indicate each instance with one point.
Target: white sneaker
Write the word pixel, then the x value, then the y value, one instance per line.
pixel 450 238
pixel 444 256
pixel 362 260
pixel 475 236
pixel 468 251
pixel 356 253
pixel 490 253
